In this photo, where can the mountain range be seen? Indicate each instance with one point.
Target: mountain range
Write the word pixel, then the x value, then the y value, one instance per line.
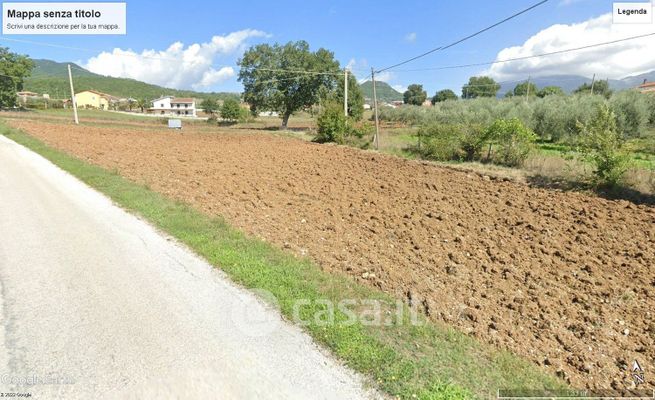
pixel 571 82
pixel 52 77
pixel 568 83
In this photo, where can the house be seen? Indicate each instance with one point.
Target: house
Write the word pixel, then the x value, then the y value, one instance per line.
pixel 25 95
pixel 94 99
pixel 427 103
pixel 170 105
pixel 647 87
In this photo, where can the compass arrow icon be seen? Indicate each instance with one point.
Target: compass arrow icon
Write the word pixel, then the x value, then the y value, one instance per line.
pixel 636 367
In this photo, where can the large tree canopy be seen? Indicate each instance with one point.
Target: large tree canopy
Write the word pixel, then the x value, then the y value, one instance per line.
pixel 480 86
pixel 415 95
pixel 525 88
pixel 444 95
pixel 14 68
pixel 286 78
pixel 599 87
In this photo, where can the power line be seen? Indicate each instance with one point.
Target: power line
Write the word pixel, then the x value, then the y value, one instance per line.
pixel 292 71
pixel 526 57
pixel 465 38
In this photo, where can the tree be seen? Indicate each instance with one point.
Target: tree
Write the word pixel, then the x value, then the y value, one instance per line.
pixel 444 95
pixel 355 97
pixel 480 86
pixel 514 141
pixel 602 144
pixel 600 87
pixel 142 104
pixel 130 103
pixel 209 106
pixel 332 124
pixel 272 81
pixel 549 91
pixel 524 88
pixel 14 68
pixel 231 110
pixel 415 95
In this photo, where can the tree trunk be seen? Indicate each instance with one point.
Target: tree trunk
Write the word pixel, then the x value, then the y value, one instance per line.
pixel 285 121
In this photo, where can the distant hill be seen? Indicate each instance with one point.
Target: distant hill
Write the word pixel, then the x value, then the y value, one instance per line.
pixel 384 91
pixel 52 77
pixel 571 82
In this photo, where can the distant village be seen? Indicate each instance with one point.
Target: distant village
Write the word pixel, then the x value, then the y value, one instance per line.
pixel 95 100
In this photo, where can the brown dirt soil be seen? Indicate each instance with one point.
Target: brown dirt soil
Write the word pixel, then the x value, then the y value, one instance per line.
pixel 563 279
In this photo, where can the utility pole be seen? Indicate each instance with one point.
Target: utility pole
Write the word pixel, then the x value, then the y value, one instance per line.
pixel 527 91
pixel 345 91
pixel 375 105
pixel 593 80
pixel 70 79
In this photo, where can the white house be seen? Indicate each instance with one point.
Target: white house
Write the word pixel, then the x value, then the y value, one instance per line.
pixel 170 105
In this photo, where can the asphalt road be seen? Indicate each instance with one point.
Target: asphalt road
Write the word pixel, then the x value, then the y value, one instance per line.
pixel 95 303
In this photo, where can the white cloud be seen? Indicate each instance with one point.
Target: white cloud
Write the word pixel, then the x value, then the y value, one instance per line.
pixel 385 76
pixel 388 77
pixel 613 61
pixel 569 2
pixel 400 88
pixel 177 66
pixel 410 37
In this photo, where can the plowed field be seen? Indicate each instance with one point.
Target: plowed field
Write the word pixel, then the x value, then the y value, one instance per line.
pixel 564 279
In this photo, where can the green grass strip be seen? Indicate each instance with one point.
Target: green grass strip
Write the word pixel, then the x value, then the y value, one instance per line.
pixel 429 361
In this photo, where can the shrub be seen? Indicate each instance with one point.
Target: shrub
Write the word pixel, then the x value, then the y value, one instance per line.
pixel 601 144
pixel 245 115
pixel 440 141
pixel 332 124
pixel 514 141
pixel 230 110
pixel 471 141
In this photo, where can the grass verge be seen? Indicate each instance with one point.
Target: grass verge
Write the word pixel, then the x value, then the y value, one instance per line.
pixel 425 361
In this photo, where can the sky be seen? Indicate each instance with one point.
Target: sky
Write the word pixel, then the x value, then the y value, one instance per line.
pixel 196 44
